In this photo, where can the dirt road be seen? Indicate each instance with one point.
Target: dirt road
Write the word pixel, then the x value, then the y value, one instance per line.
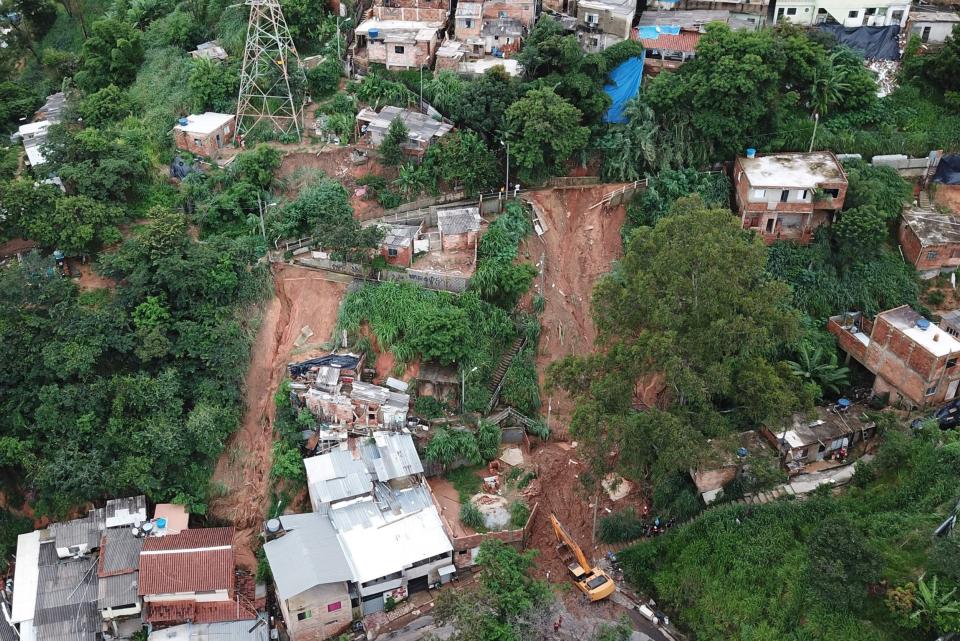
pixel 302 297
pixel 578 248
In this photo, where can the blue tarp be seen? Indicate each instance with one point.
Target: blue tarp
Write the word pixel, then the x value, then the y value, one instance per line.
pixel 651 32
pixel 625 84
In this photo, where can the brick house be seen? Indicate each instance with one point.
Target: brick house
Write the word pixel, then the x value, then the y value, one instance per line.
pixel 667 50
pixel 192 576
pixel 205 134
pixel 914 361
pixel 803 439
pixel 469 21
pixel 524 11
pixel 459 227
pixel 930 241
pixel 787 196
pixel 401 34
pixel 602 23
pixel 397 244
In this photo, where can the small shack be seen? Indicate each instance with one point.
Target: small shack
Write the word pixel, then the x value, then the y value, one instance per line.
pixel 459 227
pixel 422 130
pixel 210 50
pixel 724 459
pixel 205 134
pixel 439 381
pixel 804 440
pixel 397 245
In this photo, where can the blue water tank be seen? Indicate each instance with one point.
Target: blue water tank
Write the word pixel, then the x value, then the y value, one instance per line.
pixel 923 324
pixel 843 402
pixel 374 34
pixel 742 452
pixel 184 122
pixel 162 523
pixel 751 152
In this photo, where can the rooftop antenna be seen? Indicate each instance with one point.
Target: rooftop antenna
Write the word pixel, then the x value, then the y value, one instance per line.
pixel 271 79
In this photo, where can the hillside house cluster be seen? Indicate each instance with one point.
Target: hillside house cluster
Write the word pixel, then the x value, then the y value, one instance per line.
pixel 913 360
pixel 399 34
pixel 374 535
pixel 803 440
pixel 115 570
pixel 787 196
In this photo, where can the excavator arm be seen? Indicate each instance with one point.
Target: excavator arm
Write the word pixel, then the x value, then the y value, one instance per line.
pixel 564 537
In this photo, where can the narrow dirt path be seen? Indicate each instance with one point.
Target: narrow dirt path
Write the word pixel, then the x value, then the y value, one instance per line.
pixel 242 475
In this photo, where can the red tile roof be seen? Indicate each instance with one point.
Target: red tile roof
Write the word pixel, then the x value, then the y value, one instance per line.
pixel 685 41
pixel 172 612
pixel 209 537
pixel 173 571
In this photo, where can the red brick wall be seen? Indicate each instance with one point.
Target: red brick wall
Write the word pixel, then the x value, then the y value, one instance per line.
pixel 847 342
pixel 947 255
pixel 909 243
pixel 522 11
pixel 404 257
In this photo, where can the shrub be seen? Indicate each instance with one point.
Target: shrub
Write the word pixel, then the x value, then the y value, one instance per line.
pixel 465 481
pixel 620 527
pixel 429 407
pixel 389 604
pixel 287 463
pixel 488 440
pixel 936 297
pixel 471 517
pixel 525 480
pixel 519 513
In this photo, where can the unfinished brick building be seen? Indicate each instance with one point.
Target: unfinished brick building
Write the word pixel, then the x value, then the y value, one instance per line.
pixel 787 196
pixel 930 241
pixel 914 361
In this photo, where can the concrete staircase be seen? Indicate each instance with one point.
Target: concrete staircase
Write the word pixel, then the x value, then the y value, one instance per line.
pixel 496 381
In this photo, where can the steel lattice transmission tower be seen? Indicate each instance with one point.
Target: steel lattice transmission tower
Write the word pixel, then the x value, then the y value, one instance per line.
pixel 271 80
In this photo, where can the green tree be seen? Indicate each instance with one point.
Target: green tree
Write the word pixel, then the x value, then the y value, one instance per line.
pixel 936 609
pixel 859 233
pixel 111 55
pixel 324 79
pixel 212 86
pixel 96 163
pixel 482 104
pixel 17 100
pixel 812 365
pixel 105 106
pixel 544 131
pixel 879 186
pixel 391 150
pixel 462 157
pixel 940 68
pixel 506 604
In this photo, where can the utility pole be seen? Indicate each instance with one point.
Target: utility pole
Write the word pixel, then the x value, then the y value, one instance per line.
pixel 816 121
pixel 506 184
pixel 270 72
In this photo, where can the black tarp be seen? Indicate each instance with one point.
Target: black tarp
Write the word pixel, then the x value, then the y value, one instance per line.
pixel 880 43
pixel 948 171
pixel 341 361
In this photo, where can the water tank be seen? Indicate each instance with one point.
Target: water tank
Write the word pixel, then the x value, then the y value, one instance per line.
pixel 923 324
pixel 374 34
pixel 751 152
pixel 147 528
pixel 843 403
pixel 57 254
pixel 184 122
pixel 742 452
pixel 273 526
pixel 161 523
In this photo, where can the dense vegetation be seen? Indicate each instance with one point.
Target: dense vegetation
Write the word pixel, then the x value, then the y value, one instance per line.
pixel 818 568
pixel 109 392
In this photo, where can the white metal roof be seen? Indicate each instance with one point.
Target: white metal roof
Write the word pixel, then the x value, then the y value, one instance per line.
pixel 335 476
pixel 308 555
pixel 232 630
pixel 204 123
pixel 34 127
pixel 26 577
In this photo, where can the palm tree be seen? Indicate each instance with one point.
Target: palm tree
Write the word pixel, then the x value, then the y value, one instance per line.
pixel 829 85
pixel 936 609
pixel 812 365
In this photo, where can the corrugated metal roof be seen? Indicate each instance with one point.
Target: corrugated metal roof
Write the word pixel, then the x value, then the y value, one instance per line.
pixel 126 511
pixel 115 591
pixel 76 624
pixel 396 456
pixel 85 531
pixel 119 552
pixel 336 476
pixel 308 556
pixel 64 587
pixel 7 633
pixel 459 220
pixel 230 631
pixel 209 537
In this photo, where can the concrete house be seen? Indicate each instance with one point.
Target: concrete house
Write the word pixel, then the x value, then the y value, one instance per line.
pixel 523 11
pixel 667 50
pixel 399 34
pixel 849 13
pixel 459 227
pixel 469 22
pixel 375 534
pixel 502 36
pixel 205 134
pixel 914 361
pixel 930 241
pixel 787 196
pixel 802 439
pixel 931 24
pixel 602 23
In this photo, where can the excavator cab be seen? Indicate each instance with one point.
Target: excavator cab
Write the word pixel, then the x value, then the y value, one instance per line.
pixel 592 581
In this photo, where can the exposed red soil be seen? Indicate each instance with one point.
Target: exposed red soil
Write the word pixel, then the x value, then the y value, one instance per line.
pixel 578 248
pixel 89 279
pixel 335 163
pixel 948 196
pixel 558 491
pixel 302 297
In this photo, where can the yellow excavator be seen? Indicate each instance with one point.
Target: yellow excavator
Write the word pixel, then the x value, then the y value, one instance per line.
pixel 592 581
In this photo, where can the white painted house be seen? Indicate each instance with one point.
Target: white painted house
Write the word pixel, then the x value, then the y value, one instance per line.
pixel 849 13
